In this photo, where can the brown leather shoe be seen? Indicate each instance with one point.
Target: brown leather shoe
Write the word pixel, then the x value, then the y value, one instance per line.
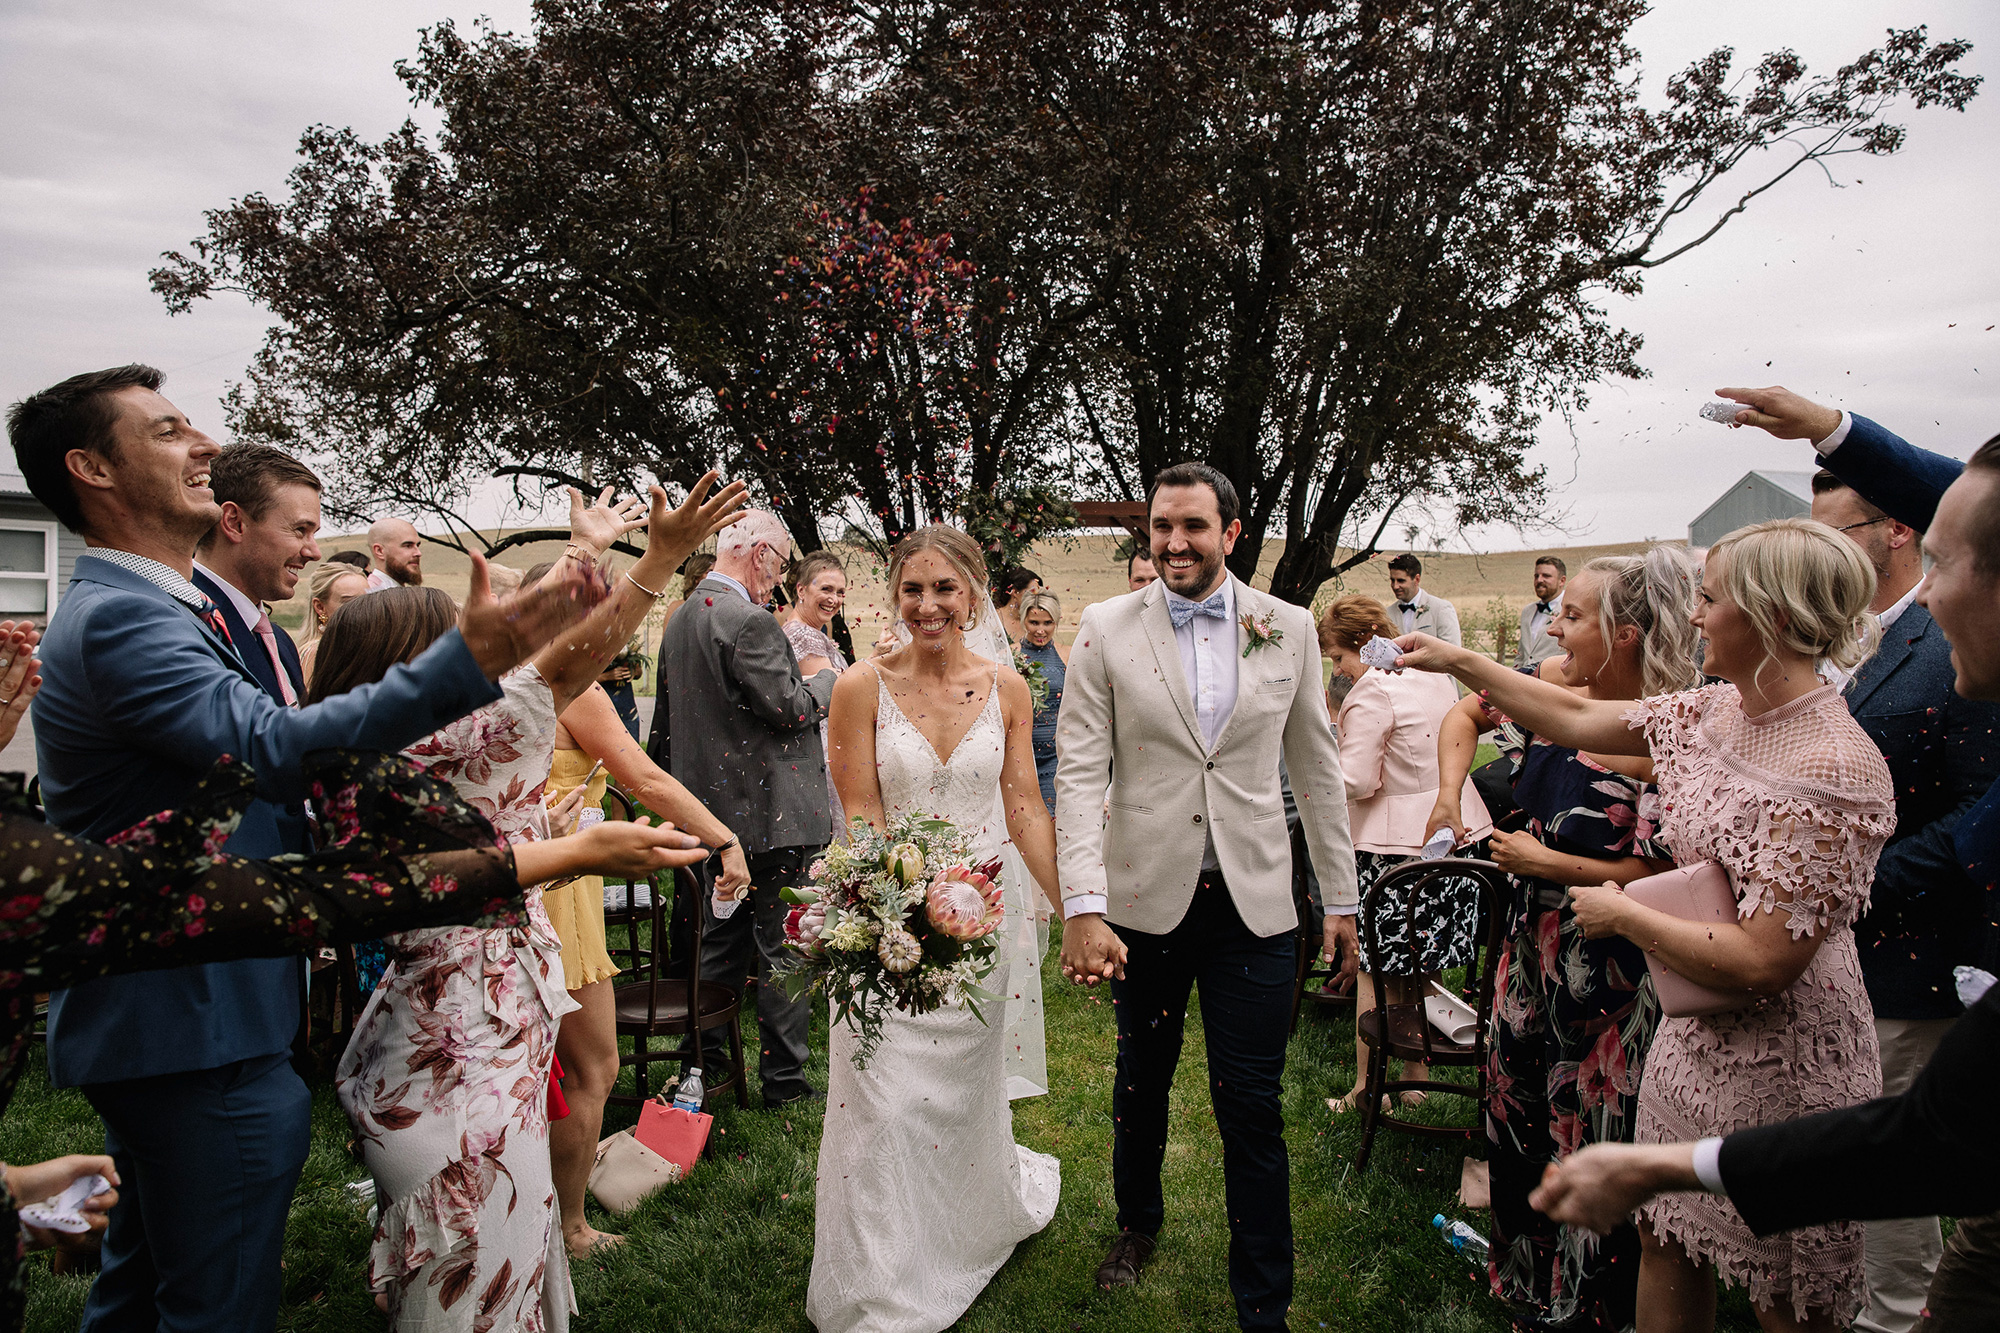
pixel 1129 1254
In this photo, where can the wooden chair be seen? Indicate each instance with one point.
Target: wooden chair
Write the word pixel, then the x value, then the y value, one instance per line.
pixel 625 909
pixel 1401 1031
pixel 656 1005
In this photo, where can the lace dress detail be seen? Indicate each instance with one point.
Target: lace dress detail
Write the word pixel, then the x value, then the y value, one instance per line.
pixel 1796 804
pixel 923 1193
pixel 446 1079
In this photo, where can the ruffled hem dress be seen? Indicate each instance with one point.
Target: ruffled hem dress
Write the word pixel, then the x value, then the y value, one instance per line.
pixel 1795 804
pixel 446 1080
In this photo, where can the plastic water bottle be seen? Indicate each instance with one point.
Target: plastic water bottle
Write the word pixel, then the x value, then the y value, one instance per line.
pixel 688 1095
pixel 1463 1239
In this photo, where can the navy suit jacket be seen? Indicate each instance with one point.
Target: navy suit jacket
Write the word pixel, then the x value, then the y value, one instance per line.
pixel 1925 915
pixel 139 699
pixel 289 819
pixel 1906 483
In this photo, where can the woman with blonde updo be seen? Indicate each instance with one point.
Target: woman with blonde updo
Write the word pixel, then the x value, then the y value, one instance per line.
pixel 1767 775
pixel 332 584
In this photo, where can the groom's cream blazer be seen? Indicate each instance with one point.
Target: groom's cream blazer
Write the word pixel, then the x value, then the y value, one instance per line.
pixel 1128 719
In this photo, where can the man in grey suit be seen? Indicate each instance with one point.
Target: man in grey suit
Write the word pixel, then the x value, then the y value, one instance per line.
pixel 1415 610
pixel 745 739
pixel 1535 646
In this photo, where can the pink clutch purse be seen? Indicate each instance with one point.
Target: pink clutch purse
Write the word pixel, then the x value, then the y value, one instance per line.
pixel 1692 893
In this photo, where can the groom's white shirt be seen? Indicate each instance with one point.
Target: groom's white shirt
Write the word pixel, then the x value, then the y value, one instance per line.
pixel 1189 734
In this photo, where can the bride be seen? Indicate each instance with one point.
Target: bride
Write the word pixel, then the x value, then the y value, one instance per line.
pixel 923 1192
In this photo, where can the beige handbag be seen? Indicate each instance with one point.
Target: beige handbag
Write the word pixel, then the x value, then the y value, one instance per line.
pixel 627 1172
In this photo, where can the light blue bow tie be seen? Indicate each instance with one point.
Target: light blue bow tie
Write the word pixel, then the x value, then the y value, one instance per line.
pixel 1183 611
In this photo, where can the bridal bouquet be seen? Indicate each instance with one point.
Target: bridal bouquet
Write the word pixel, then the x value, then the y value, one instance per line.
pixel 894 919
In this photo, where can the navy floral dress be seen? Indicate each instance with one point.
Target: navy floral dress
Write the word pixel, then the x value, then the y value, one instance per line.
pixel 400 850
pixel 1572 1021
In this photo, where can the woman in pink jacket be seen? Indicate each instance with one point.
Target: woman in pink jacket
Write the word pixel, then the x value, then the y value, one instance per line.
pixel 1389 756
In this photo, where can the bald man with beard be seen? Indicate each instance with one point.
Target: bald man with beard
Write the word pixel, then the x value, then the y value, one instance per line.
pixel 399 555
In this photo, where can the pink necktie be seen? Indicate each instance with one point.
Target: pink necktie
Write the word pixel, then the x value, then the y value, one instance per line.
pixel 270 638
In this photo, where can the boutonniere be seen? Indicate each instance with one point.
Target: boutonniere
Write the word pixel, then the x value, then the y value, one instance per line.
pixel 1260 631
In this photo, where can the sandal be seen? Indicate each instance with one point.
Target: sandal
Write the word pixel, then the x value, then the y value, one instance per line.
pixel 1351 1103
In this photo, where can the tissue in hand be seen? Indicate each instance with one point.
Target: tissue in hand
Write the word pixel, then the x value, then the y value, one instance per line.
pixel 65 1211
pixel 1380 653
pixel 1438 847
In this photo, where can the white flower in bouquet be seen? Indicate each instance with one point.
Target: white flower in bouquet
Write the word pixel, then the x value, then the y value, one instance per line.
pixel 850 936
pixel 899 951
pixel 905 861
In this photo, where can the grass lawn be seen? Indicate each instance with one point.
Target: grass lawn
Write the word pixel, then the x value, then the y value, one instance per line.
pixel 730 1247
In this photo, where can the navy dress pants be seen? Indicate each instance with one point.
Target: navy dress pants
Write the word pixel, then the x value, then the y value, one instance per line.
pixel 208 1161
pixel 1246 1004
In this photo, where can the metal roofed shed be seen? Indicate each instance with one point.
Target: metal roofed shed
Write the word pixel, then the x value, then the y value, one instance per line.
pixel 1760 496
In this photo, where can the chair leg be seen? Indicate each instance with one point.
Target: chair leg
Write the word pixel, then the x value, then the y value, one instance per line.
pixel 1371 1100
pixel 736 1061
pixel 640 1083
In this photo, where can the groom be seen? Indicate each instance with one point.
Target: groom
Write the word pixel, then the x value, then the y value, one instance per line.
pixel 1183 697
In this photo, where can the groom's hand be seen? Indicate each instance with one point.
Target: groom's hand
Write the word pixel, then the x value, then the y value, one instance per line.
pixel 1091 950
pixel 1341 940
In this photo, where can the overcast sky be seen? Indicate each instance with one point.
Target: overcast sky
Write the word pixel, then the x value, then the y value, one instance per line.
pixel 124 121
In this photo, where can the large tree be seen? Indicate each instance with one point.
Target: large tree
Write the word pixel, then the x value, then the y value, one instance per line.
pixel 1348 251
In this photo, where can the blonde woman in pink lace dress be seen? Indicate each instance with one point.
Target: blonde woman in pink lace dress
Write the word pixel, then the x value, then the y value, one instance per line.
pixel 1769 776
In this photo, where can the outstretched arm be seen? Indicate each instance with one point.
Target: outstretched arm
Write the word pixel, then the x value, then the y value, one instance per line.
pixel 1547 709
pixel 573 663
pixel 597 729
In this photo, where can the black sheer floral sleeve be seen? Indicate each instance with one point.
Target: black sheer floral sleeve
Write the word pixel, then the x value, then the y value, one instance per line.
pixel 400 851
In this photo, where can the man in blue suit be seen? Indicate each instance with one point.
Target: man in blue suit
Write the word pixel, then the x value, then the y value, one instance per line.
pixel 255 553
pixel 1925 915
pixel 1957 507
pixel 145 689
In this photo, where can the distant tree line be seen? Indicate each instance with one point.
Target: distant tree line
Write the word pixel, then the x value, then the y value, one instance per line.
pixel 908 259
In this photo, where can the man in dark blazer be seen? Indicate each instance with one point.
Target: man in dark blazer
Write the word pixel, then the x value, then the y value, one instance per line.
pixel 266 537
pixel 1925 915
pixel 144 690
pixel 745 740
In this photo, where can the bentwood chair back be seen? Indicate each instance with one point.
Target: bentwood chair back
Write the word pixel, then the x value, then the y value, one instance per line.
pixel 654 1006
pixel 1402 1031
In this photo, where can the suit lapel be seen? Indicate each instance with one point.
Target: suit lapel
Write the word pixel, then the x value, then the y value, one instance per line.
pixel 236 650
pixel 1159 627
pixel 1897 643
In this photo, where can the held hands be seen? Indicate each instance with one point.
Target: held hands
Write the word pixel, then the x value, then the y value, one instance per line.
pixel 1783 413
pixel 20 674
pixel 503 633
pixel 597 526
pixel 1091 950
pixel 1600 908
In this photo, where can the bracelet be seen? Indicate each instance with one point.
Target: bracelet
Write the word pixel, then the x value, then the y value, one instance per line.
pixel 656 596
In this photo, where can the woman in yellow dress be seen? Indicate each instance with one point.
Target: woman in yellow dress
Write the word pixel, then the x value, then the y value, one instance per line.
pixel 587 1043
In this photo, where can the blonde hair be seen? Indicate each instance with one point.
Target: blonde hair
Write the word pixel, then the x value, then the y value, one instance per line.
pixel 324 576
pixel 1042 601
pixel 956 549
pixel 1804 587
pixel 1655 593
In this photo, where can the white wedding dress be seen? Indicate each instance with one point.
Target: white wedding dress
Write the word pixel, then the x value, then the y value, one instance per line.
pixel 923 1192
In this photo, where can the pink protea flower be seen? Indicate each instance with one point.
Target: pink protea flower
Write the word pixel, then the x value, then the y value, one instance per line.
pixel 963 903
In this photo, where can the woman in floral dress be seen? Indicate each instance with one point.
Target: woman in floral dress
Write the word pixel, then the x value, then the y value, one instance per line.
pixel 1769 776
pixel 447 1077
pixel 1573 1017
